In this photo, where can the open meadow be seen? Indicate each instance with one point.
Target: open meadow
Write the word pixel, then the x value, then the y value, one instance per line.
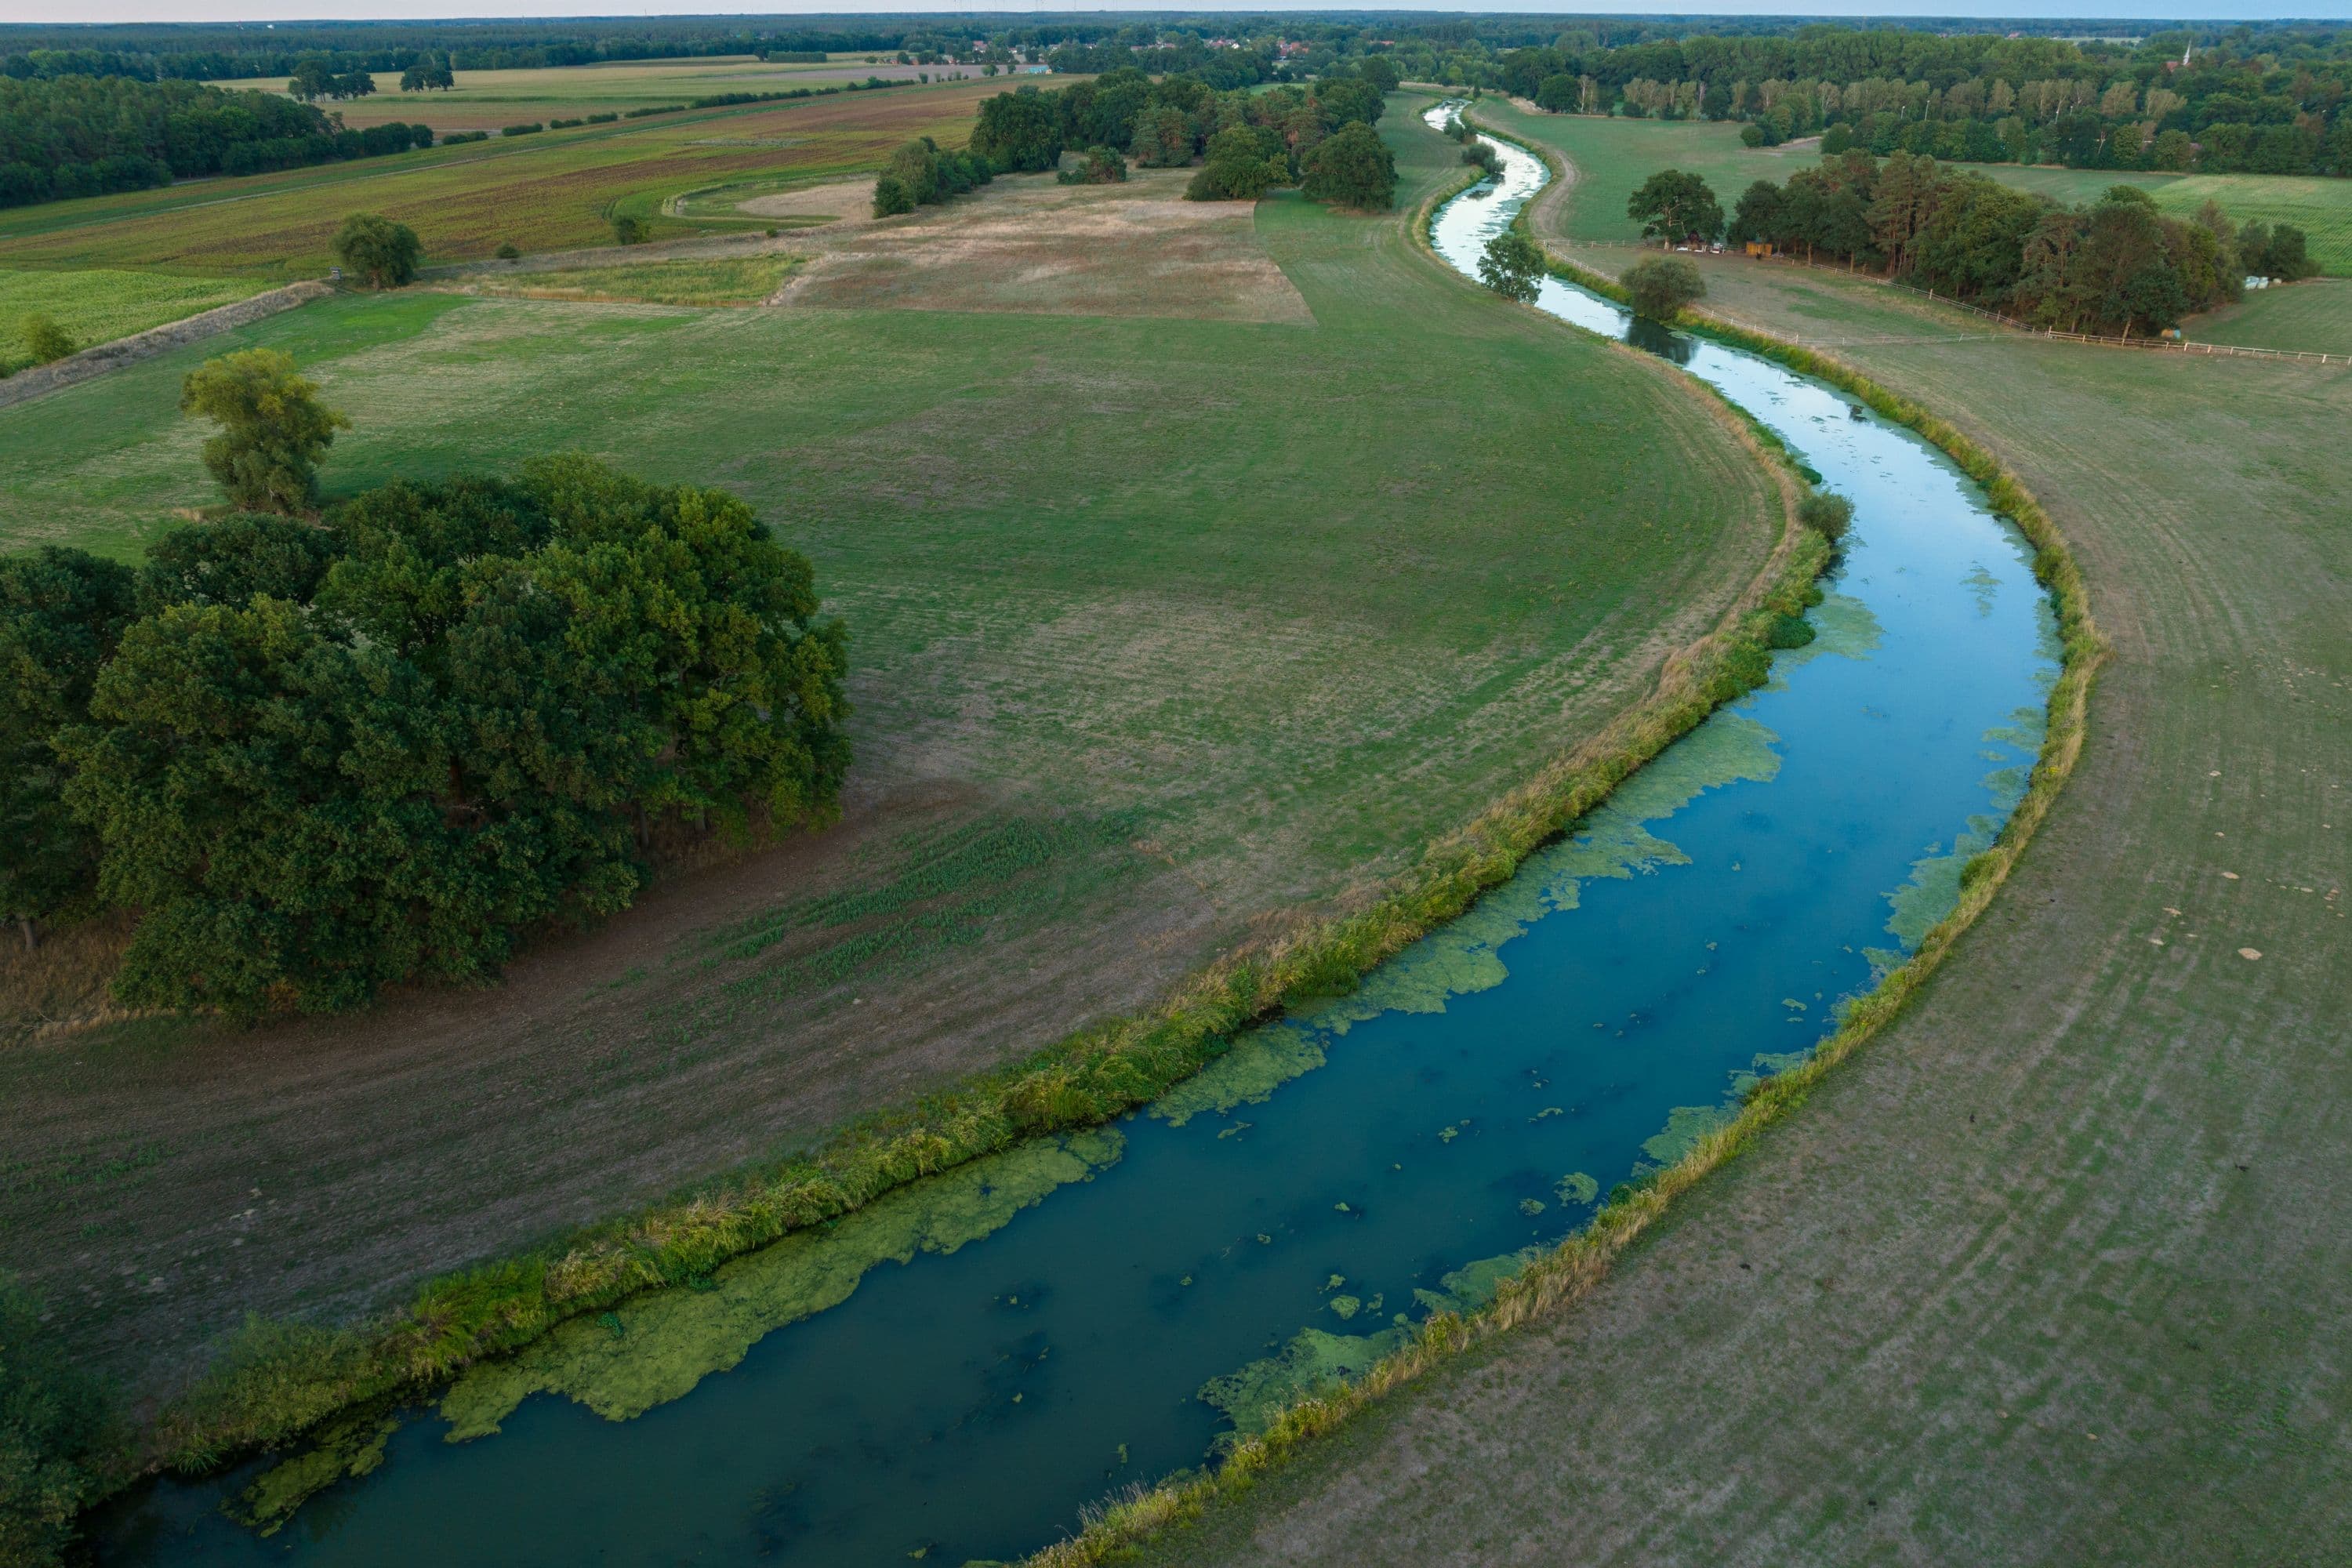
pixel 1145 661
pixel 1615 156
pixel 492 100
pixel 2050 1273
pixel 99 305
pixel 552 191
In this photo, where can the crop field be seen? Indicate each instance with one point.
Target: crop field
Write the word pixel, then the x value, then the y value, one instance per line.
pixel 553 191
pixel 490 100
pixel 2051 1271
pixel 98 306
pixel 721 280
pixel 1142 661
pixel 1613 156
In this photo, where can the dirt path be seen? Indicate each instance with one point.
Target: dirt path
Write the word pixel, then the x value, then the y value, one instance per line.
pixel 2053 1272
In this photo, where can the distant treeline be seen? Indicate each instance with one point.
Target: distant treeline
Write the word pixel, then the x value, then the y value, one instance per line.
pixel 2238 105
pixel 80 136
pixel 2114 265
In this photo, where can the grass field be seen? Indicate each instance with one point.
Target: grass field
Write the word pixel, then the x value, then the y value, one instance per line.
pixel 548 191
pixel 2313 314
pixel 98 306
pixel 2050 1273
pixel 723 280
pixel 1163 629
pixel 1614 156
pixel 489 101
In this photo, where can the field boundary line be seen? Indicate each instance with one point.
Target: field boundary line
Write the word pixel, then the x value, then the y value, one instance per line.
pixel 43 379
pixel 1556 1282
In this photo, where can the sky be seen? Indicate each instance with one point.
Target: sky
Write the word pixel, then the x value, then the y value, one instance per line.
pixel 57 11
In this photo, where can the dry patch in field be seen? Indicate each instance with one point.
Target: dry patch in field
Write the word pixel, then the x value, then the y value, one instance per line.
pixel 1033 247
pixel 851 199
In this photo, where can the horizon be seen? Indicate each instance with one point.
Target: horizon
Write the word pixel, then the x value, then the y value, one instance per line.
pixel 269 13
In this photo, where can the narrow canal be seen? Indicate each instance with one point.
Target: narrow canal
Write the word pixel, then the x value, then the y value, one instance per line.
pixel 953 1373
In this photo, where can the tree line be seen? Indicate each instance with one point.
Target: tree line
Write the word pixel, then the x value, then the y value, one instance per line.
pixel 322 751
pixel 81 136
pixel 2113 266
pixel 2231 107
pixel 1319 137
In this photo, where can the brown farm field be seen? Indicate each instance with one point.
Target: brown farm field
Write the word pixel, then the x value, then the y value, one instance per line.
pixel 489 99
pixel 2050 1273
pixel 1146 666
pixel 553 191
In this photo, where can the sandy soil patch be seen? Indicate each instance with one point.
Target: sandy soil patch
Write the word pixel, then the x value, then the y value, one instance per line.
pixel 851 199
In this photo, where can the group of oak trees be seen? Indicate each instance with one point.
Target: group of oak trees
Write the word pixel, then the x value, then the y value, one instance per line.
pixel 322 751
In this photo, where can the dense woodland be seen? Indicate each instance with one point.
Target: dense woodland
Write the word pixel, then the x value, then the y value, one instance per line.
pixel 81 136
pixel 318 755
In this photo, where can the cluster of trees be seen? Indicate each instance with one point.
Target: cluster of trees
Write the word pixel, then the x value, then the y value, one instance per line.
pixel 1321 137
pixel 1097 166
pixel 318 755
pixel 2236 104
pixel 79 136
pixel 426 72
pixel 922 174
pixel 315 76
pixel 2117 264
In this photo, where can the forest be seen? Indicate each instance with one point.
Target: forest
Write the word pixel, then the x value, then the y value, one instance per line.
pixel 83 136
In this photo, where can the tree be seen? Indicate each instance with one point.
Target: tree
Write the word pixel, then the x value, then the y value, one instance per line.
pixel 628 229
pixel 1348 100
pixel 1354 168
pixel 1243 164
pixel 45 340
pixel 1381 71
pixel 1662 285
pixel 55 1433
pixel 61 613
pixel 379 251
pixel 1513 266
pixel 273 429
pixel 1163 139
pixel 1758 215
pixel 1826 514
pixel 1672 206
pixel 1019 131
pixel 236 560
pixel 1100 166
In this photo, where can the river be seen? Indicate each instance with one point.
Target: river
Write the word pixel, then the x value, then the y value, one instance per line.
pixel 953 1373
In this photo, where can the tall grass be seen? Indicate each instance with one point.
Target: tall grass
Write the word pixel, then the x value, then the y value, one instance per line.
pixel 1569 1272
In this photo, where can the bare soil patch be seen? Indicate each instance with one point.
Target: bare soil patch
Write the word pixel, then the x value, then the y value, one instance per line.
pixel 846 199
pixel 1032 245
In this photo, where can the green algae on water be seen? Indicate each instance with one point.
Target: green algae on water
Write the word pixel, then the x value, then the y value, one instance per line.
pixel 671 1339
pixel 351 1445
pixel 1464 956
pixel 1686 1125
pixel 1260 1062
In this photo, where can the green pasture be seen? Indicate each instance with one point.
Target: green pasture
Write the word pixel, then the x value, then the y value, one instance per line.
pixel 1614 156
pixel 1165 626
pixel 2051 1271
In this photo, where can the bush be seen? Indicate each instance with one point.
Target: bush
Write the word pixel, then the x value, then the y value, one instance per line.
pixel 46 340
pixel 510 252
pixel 1100 166
pixel 521 130
pixel 564 124
pixel 1483 157
pixel 273 429
pixel 455 137
pixel 378 250
pixel 1790 631
pixel 603 118
pixel 55 1427
pixel 628 230
pixel 1827 515
pixel 1662 285
pixel 921 174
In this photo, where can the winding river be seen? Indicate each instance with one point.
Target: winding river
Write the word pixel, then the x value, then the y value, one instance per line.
pixel 953 1373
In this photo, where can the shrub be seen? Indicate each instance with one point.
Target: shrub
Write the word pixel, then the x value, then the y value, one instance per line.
pixel 510 252
pixel 46 340
pixel 564 124
pixel 1827 515
pixel 1482 156
pixel 521 130
pixel 1100 166
pixel 54 1428
pixel 603 118
pixel 892 197
pixel 1790 631
pixel 455 137
pixel 628 230
pixel 1662 285
pixel 379 251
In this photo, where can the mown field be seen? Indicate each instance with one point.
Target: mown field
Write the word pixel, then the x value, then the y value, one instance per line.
pixel 99 305
pixel 2315 314
pixel 1614 156
pixel 2051 1271
pixel 491 99
pixel 1162 627
pixel 548 191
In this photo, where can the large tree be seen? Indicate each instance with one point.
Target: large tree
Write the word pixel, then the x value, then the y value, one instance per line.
pixel 378 250
pixel 1352 168
pixel 1662 285
pixel 1674 205
pixel 273 428
pixel 1019 131
pixel 1513 266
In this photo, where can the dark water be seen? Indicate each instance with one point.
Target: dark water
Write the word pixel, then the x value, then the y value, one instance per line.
pixel 1049 1339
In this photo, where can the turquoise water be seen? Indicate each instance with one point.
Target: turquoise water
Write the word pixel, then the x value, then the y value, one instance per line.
pixel 954 1373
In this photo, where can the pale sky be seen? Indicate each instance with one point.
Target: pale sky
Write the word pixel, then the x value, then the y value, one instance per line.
pixel 61 11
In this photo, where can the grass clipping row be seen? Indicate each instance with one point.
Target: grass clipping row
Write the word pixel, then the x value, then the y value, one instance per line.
pixel 277 1381
pixel 1564 1276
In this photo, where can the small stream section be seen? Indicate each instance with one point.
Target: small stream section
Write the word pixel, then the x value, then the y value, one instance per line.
pixel 953 1373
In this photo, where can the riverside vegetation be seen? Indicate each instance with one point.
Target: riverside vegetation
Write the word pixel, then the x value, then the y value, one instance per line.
pixel 1087 646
